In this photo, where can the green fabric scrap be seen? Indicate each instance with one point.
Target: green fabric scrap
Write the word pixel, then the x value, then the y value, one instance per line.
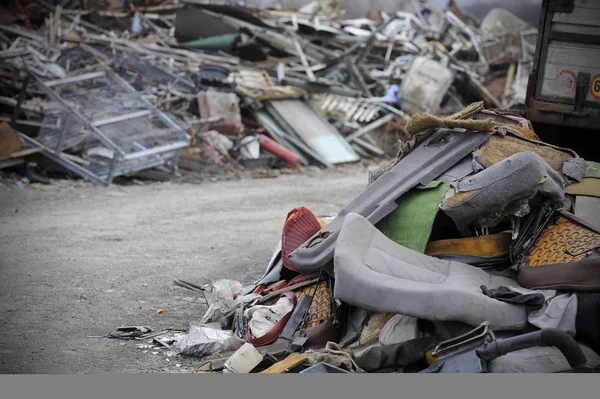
pixel 410 224
pixel 592 169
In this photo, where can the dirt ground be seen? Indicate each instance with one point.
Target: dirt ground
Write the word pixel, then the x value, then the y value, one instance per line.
pixel 78 261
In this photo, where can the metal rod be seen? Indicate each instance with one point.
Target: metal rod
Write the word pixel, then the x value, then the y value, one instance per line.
pixel 120 118
pixel 22 93
pixel 61 137
pixel 111 170
pixel 124 84
pixel 85 76
pixel 22 32
pixel 74 167
pixel 156 150
pixel 369 147
pixel 309 72
pixel 370 127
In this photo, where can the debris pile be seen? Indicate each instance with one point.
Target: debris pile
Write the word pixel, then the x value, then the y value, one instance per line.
pixel 204 90
pixel 464 255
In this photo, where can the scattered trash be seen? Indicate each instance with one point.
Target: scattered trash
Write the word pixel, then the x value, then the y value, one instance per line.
pixel 132 332
pixel 204 339
pixel 243 360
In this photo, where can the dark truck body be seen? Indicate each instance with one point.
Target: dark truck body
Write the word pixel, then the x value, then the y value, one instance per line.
pixel 564 86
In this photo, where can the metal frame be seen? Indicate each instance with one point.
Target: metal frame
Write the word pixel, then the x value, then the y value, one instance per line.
pixel 120 163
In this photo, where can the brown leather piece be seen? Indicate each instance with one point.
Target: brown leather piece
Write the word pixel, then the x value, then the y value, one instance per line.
pixel 582 275
pixel 319 335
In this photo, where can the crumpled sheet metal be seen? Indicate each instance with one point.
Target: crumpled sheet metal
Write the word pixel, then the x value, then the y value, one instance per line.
pixel 432 157
pixel 487 197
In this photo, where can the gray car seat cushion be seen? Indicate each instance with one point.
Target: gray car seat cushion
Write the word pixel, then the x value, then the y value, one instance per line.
pixel 539 359
pixel 502 189
pixel 375 273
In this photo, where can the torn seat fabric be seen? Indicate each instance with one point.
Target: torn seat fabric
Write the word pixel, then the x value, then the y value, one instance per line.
pixel 504 188
pixel 375 273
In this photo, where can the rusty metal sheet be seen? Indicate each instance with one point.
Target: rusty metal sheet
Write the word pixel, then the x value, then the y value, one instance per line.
pixel 9 140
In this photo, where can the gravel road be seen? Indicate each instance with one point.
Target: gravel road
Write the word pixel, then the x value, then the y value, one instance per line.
pixel 78 261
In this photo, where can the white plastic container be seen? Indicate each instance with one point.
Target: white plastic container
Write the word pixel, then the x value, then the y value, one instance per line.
pixel 243 360
pixel 425 85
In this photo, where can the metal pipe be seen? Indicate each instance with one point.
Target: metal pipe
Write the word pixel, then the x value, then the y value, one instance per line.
pixel 78 169
pixel 155 150
pixel 73 79
pixel 120 118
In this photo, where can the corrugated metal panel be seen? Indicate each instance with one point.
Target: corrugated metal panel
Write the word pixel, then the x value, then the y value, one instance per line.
pixel 315 131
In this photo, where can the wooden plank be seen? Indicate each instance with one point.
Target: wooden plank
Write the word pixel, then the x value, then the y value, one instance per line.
pixel 75 158
pixel 11 162
pixel 25 152
pixel 293 360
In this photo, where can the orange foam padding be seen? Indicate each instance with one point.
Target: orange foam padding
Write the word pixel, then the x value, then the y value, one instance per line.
pixel 300 225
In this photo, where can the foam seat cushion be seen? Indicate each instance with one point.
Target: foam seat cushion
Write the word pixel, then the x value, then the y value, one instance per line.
pixel 375 273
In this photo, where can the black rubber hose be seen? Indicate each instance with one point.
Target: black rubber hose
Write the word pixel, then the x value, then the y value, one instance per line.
pixel 566 344
pixel 546 337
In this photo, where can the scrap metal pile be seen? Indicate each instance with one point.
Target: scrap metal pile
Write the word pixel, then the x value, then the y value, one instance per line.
pixel 464 255
pixel 108 88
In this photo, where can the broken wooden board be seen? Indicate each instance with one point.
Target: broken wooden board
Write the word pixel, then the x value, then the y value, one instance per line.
pixel 293 360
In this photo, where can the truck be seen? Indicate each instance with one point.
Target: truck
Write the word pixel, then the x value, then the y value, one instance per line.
pixel 563 91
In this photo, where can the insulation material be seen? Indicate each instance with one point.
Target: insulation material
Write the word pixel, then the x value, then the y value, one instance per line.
pixel 399 328
pixel 499 148
pixel 574 168
pixel 373 328
pixel 421 122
